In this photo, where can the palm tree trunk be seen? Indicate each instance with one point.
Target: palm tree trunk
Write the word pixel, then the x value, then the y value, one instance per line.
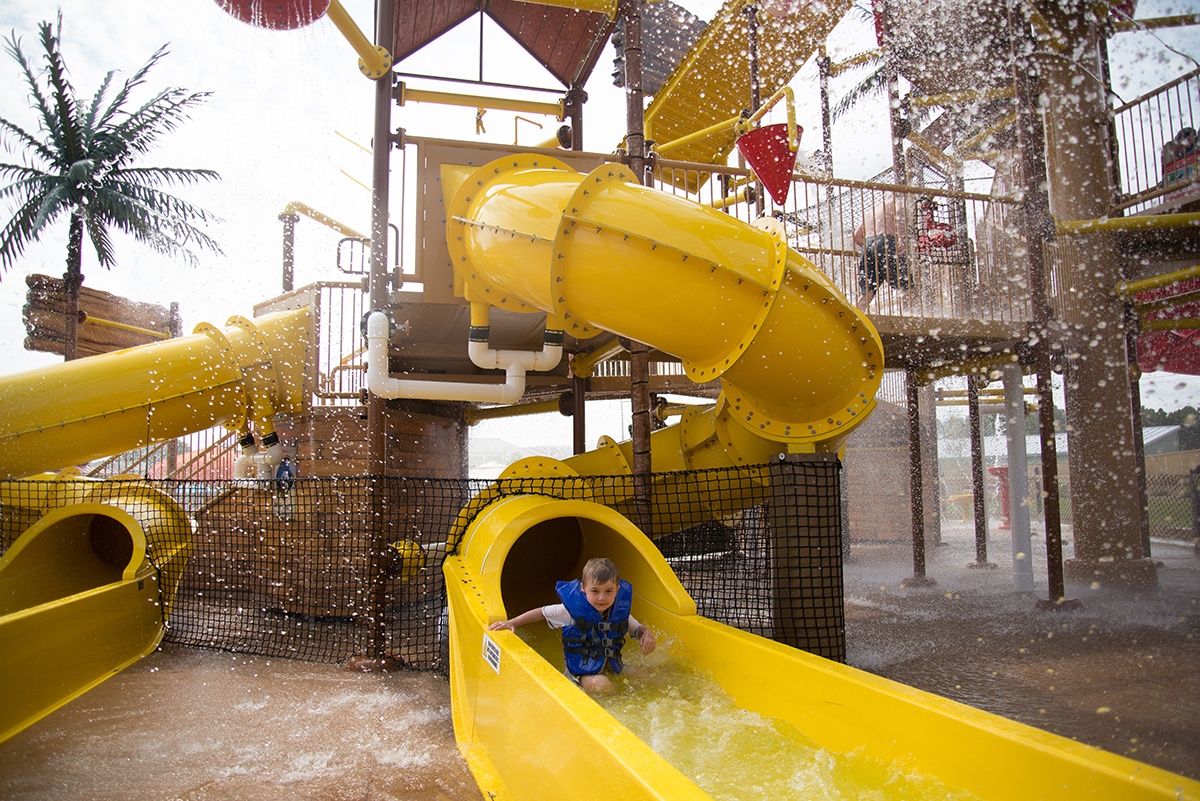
pixel 72 281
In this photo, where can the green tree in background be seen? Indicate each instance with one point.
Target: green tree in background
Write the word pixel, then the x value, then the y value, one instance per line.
pixel 83 162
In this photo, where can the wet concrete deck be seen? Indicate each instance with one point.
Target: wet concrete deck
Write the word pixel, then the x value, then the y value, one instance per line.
pixel 1120 673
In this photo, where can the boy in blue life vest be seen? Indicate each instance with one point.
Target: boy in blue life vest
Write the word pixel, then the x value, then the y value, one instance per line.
pixel 594 618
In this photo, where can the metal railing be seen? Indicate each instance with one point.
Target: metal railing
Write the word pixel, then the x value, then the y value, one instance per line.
pixel 959 254
pixel 197 456
pixel 341 366
pixel 336 374
pixel 1155 153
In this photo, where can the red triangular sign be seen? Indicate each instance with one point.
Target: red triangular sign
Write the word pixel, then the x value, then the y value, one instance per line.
pixel 770 155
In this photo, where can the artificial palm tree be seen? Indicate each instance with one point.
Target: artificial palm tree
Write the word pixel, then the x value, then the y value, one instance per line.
pixel 83 163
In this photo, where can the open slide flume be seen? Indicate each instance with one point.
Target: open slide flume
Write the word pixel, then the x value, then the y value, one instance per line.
pixel 819 730
pixel 86 589
pixel 85 592
pixel 799 369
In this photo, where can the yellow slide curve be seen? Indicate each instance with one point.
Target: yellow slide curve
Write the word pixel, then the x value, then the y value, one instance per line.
pixel 799 368
pixel 528 732
pixel 85 591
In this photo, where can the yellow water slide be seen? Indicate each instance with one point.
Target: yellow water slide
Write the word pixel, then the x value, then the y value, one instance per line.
pixel 528 732
pixel 70 413
pixel 799 366
pixel 799 369
pixel 86 589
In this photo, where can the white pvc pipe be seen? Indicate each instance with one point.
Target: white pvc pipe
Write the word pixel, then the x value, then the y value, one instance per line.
pixel 1018 481
pixel 255 463
pixel 515 363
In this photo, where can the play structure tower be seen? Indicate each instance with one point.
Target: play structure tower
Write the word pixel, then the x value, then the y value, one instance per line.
pixel 539 265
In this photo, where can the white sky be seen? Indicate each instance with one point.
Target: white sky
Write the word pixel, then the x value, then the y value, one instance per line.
pixel 271 129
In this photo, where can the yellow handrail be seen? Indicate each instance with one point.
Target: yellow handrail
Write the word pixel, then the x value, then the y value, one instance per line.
pixel 1127 289
pixel 743 124
pixel 473 416
pixel 607 7
pixel 1181 324
pixel 296 207
pixel 87 318
pixel 374 61
pixel 1155 23
pixel 405 95
pixel 1153 223
pixel 584 364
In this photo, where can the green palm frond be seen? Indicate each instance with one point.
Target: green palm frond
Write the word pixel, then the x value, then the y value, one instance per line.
pixel 25 139
pixel 161 115
pixel 90 123
pixel 83 162
pixel 98 235
pixel 117 105
pixel 40 103
pixel 63 126
pixel 873 83
pixel 35 210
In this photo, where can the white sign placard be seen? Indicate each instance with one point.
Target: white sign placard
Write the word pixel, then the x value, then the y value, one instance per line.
pixel 491 653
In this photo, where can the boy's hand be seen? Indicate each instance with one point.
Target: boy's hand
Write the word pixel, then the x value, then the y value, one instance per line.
pixel 647 640
pixel 502 624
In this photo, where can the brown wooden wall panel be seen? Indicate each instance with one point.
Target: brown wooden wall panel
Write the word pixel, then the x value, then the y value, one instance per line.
pixel 44 315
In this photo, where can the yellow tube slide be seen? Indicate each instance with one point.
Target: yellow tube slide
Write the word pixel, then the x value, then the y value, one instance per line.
pixel 527 732
pixel 798 364
pixel 84 593
pixel 70 413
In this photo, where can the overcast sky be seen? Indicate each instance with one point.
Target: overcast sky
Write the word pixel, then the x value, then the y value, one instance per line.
pixel 286 111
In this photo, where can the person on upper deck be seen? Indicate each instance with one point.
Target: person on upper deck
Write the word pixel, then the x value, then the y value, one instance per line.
pixel 882 258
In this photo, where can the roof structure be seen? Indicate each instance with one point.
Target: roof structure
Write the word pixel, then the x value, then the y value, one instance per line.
pixel 568 43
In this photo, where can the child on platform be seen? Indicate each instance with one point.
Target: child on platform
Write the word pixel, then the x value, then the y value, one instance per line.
pixel 594 618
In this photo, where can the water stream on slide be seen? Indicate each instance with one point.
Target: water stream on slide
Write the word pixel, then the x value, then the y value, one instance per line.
pixel 733 753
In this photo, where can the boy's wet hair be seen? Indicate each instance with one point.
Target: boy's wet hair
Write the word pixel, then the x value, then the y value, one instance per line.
pixel 600 571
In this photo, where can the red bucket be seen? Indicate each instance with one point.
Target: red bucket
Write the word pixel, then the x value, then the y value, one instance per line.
pixel 277 15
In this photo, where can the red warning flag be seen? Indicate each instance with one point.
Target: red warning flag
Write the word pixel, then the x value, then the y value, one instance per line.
pixel 772 158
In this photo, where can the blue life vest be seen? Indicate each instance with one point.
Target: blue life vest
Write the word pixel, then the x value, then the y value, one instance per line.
pixel 593 642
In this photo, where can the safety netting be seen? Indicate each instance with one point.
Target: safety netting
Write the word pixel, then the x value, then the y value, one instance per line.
pixel 332 569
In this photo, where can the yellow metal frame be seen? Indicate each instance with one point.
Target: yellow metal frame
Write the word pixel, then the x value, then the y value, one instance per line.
pixel 404 95
pixel 374 61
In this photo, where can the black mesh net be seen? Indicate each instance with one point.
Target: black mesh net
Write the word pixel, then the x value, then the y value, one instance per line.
pixel 299 569
pixel 1173 503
